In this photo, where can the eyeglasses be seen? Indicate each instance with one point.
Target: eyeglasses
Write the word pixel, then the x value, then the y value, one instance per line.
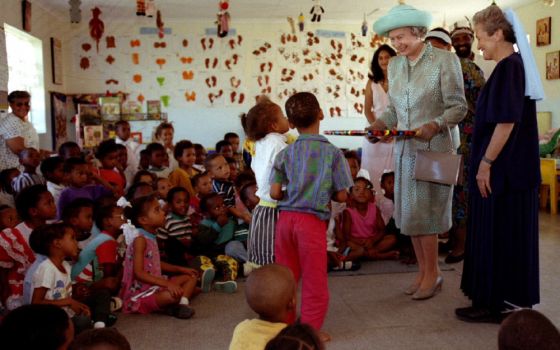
pixel 19 104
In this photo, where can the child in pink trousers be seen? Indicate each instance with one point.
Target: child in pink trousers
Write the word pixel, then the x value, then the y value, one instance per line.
pixel 313 172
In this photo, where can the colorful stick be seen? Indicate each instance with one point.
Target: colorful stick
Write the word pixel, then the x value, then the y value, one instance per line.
pixel 398 133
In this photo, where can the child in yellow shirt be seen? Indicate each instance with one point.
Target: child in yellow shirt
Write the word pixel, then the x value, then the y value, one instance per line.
pixel 185 155
pixel 271 292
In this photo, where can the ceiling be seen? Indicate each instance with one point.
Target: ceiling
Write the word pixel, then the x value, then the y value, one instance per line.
pixel 349 11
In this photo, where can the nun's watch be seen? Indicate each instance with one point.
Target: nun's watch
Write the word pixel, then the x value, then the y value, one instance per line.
pixel 489 161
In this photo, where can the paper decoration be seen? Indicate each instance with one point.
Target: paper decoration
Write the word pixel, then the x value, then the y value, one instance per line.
pixel 96 26
pixel 75 11
pixel 110 40
pixel 84 63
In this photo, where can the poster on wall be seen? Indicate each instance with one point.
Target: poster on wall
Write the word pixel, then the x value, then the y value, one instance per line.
pixel 59 131
pixel 56 59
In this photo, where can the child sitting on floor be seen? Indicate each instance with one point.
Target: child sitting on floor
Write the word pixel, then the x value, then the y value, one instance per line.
pixel 7 192
pixel 387 207
pixel 77 172
pixel 108 155
pixel 175 238
pixel 98 268
pixel 79 215
pixel 144 176
pixel 224 148
pixel 30 159
pixel 271 293
pixel 144 289
pixel 52 283
pixel 200 153
pixel 355 166
pixel 162 187
pixel 234 141
pixel 202 186
pixel 363 227
pixel 8 217
pixel 100 339
pixel 157 160
pixel 218 169
pixel 185 155
pixel 52 169
pixel 296 336
pixel 36 327
pixel 35 205
pixel 218 232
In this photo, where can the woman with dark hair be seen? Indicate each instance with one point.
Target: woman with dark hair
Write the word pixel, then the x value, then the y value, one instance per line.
pixel 377 157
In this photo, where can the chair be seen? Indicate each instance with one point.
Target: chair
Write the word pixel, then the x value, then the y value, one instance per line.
pixel 550 178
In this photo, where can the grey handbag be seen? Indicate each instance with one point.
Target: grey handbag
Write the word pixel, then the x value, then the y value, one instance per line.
pixel 439 167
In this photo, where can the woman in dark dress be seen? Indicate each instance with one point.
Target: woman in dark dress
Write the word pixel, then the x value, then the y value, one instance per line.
pixel 501 266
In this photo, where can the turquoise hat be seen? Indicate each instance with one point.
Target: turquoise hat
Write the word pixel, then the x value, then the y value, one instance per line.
pixel 402 16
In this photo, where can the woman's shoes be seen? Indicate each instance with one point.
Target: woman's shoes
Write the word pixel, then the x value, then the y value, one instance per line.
pixel 453 259
pixel 428 293
pixel 479 315
pixel 412 289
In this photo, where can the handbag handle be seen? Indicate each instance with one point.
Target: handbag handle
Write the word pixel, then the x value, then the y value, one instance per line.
pixel 450 139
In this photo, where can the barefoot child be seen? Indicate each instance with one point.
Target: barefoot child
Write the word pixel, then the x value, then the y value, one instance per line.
pixel 313 171
pixel 363 229
pixel 144 289
pixel 271 293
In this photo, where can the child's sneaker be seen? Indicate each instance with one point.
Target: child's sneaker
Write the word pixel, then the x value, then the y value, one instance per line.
pixel 347 266
pixel 248 267
pixel 206 279
pixel 181 311
pixel 226 287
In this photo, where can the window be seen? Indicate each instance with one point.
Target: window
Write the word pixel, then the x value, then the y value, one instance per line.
pixel 25 67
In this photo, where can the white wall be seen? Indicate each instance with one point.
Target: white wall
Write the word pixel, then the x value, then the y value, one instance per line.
pixel 529 15
pixel 197 122
pixel 43 26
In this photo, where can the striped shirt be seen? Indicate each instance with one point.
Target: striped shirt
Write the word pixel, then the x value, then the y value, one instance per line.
pixel 178 227
pixel 225 189
pixel 25 180
pixel 312 169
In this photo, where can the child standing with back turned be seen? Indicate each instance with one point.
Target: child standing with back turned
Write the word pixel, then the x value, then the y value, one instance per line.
pixel 265 124
pixel 313 171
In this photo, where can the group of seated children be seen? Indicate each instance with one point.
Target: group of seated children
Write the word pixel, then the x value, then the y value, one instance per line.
pixel 91 236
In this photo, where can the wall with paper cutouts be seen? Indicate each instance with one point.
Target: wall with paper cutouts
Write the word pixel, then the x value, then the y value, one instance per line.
pixel 205 82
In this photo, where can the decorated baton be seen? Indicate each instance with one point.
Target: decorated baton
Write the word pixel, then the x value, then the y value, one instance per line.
pixel 378 133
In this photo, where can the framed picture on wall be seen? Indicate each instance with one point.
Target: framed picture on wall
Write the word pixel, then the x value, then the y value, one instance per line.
pixel 553 65
pixel 543 31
